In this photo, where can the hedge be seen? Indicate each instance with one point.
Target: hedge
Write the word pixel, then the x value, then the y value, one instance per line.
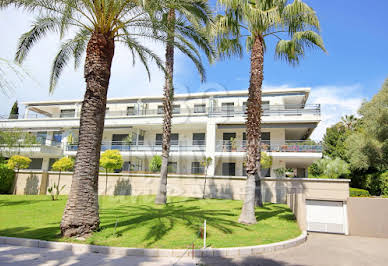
pixel 358 192
pixel 6 179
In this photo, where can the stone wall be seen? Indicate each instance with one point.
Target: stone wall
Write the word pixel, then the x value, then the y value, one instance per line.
pixel 291 191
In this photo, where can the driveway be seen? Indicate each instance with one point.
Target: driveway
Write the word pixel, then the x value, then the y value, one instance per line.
pixel 320 249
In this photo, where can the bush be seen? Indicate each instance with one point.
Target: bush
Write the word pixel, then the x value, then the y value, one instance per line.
pixel 384 183
pixel 6 178
pixel 155 164
pixel 358 192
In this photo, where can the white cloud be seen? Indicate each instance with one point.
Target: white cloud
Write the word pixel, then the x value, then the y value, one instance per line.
pixel 336 101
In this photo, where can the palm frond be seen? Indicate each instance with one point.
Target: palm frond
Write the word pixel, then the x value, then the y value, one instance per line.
pixel 40 28
pixel 71 48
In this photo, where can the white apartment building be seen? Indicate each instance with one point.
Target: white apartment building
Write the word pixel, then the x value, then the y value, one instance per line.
pixel 210 124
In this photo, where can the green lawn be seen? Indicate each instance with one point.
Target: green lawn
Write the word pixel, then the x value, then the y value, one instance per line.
pixel 129 221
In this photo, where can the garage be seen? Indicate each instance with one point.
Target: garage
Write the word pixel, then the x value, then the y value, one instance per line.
pixel 326 216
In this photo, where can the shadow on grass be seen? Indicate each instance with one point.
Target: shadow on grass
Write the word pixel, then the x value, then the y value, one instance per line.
pixel 20 202
pixel 273 210
pixel 45 233
pixel 162 220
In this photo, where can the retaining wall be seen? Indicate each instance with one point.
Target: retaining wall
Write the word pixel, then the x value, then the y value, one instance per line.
pixel 293 191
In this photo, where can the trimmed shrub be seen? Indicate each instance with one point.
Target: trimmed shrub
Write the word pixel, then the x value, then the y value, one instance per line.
pixel 384 183
pixel 6 178
pixel 358 192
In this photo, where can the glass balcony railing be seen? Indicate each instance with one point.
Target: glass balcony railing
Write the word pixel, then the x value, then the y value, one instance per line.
pixel 229 111
pixel 269 146
pixel 143 147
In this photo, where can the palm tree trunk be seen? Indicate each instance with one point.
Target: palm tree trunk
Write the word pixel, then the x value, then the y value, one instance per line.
pixel 81 215
pixel 253 125
pixel 161 197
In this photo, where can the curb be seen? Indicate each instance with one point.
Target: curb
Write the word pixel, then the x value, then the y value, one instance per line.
pixel 210 252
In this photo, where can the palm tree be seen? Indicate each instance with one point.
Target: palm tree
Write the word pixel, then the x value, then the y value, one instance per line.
pixel 256 20
pixel 349 121
pixel 187 28
pixel 98 26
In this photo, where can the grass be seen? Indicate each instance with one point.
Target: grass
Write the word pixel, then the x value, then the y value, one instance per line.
pixel 129 221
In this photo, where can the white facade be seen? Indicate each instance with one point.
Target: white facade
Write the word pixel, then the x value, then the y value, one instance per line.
pixel 204 124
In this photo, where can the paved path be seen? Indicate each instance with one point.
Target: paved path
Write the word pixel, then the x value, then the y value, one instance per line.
pixel 320 249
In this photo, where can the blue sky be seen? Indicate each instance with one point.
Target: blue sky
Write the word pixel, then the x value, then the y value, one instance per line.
pixel 355 33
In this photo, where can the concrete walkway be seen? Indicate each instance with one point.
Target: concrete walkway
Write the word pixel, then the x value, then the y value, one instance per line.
pixel 320 249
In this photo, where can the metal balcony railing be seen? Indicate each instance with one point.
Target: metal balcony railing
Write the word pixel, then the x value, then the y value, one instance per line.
pixel 268 110
pixel 269 146
pixel 143 147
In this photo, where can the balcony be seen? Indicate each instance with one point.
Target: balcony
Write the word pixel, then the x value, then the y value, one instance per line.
pixel 53 149
pixel 270 146
pixel 141 147
pixel 268 110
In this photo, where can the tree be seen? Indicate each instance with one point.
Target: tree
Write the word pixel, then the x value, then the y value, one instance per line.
pixel 14 114
pixel 331 168
pixel 349 121
pixel 261 19
pixel 98 25
pixel 206 162
pixel 155 164
pixel 110 160
pixel 367 147
pixel 192 14
pixel 334 141
pixel 17 162
pixel 63 164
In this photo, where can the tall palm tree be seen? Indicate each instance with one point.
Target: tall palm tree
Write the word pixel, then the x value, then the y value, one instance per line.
pixel 98 26
pixel 296 27
pixel 193 16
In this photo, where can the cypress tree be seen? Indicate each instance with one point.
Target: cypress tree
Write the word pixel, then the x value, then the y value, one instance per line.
pixel 14 114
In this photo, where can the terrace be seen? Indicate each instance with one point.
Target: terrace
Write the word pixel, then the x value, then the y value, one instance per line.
pixel 224 111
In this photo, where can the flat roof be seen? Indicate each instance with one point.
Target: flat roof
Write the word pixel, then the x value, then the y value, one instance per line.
pixel 285 91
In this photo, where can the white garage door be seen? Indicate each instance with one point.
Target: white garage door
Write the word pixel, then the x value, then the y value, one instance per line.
pixel 325 216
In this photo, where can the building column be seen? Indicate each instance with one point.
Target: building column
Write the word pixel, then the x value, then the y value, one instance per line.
pixel 45 164
pixel 211 145
pixel 26 111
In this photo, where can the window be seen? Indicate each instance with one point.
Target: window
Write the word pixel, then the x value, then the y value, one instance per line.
pixel 176 109
pixel 199 139
pixel 67 113
pixel 57 138
pixel 197 168
pixel 228 108
pixel 41 137
pixel 131 110
pixel 160 109
pixel 173 141
pixel 118 140
pixel 228 169
pixel 36 164
pixel 141 140
pixel 172 167
pixel 199 108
